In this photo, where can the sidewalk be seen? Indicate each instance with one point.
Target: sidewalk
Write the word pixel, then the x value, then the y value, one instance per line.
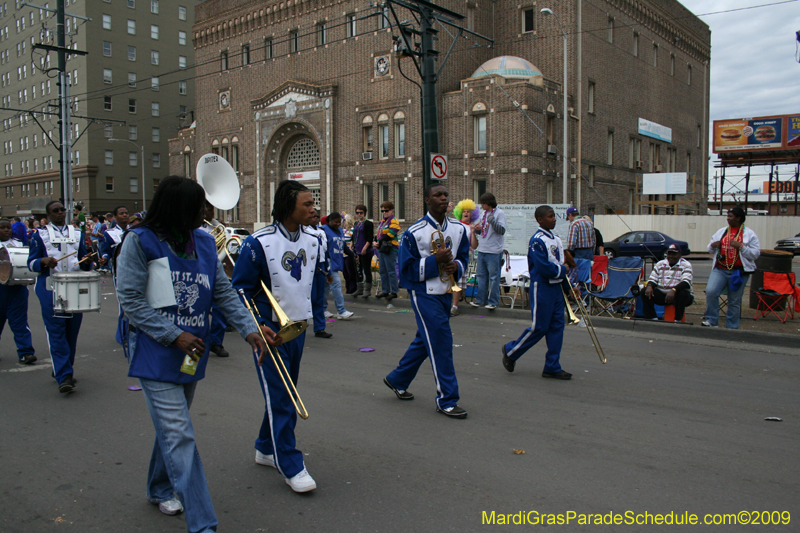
pixel 767 331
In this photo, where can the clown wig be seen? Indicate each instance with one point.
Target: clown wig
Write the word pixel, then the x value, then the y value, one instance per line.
pixel 468 205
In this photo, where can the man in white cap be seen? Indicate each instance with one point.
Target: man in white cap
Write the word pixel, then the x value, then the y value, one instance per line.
pixel 670 283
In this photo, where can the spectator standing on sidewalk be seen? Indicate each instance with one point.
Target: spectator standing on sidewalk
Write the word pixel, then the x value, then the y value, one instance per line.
pixel 336 250
pixel 387 245
pixel 465 212
pixel 488 236
pixel 363 235
pixel 581 241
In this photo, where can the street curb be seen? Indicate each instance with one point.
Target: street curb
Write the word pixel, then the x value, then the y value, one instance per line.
pixel 618 324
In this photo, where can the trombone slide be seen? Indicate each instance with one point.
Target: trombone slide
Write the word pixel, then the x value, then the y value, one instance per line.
pixel 586 318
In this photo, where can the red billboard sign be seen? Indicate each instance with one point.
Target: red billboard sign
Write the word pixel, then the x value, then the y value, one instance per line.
pixel 778 132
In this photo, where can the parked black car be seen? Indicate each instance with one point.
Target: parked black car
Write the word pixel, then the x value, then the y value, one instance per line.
pixel 792 244
pixel 643 244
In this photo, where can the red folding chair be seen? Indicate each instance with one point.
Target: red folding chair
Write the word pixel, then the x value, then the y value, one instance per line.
pixel 778 296
pixel 599 272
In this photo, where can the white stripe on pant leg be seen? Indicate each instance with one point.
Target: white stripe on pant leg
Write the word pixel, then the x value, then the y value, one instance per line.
pixel 430 353
pixel 535 305
pixel 49 347
pixel 269 408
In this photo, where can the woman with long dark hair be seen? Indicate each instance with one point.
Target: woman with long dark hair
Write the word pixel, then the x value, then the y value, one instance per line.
pixel 735 249
pixel 168 275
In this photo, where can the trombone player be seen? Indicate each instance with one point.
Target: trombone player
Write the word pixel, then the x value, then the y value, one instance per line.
pixel 283 258
pixel 428 270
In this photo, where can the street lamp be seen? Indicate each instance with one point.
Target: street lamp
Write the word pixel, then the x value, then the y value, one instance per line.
pixel 565 149
pixel 144 196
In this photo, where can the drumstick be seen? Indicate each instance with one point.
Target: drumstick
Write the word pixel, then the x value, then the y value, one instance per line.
pixel 70 255
pixel 87 257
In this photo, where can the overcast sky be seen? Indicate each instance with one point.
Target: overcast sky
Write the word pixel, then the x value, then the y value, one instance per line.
pixel 754 68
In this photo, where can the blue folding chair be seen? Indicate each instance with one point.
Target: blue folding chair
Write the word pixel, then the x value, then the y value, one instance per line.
pixel 617 299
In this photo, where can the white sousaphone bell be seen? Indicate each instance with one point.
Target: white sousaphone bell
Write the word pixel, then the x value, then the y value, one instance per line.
pixel 217 177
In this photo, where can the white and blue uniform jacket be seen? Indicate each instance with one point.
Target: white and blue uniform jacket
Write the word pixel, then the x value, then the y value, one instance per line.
pixel 546 258
pixel 418 268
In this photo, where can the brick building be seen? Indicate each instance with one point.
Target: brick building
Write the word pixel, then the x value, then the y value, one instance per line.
pixel 311 89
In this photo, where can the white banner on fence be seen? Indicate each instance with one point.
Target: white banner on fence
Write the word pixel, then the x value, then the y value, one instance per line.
pixel 664 183
pixel 521 225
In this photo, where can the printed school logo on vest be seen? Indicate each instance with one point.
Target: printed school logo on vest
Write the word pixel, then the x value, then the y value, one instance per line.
pixel 292 263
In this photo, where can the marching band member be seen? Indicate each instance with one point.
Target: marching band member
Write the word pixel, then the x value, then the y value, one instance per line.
pixel 113 236
pixel 168 277
pixel 14 304
pixel 321 275
pixel 49 251
pixel 218 325
pixel 284 255
pixel 419 274
pixel 548 272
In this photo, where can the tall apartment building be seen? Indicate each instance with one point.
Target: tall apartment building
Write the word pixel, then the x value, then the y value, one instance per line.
pixel 135 84
pixel 313 91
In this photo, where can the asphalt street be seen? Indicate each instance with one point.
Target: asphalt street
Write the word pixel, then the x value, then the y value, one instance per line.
pixel 670 424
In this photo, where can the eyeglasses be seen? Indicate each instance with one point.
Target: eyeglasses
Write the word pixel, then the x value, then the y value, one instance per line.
pixel 359 212
pixel 58 210
pixel 385 210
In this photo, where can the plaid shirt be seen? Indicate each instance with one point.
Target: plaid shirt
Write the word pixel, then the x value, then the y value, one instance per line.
pixel 581 235
pixel 667 277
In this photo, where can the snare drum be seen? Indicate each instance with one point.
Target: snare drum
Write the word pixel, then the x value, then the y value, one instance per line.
pixel 14 267
pixel 76 292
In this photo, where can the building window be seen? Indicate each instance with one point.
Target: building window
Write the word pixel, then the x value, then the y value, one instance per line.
pixel 131 27
pixel 303 154
pixel 107 75
pixel 590 97
pixel 131 53
pixel 321 34
pixel 154 109
pixel 611 29
pixel 109 184
pixel 133 133
pixel 689 162
pixel 478 188
pixel 366 195
pixel 107 103
pixel 181 62
pixel 590 172
pixel 400 201
pixel 655 55
pixel 635 44
pixel 351 25
pixel 610 149
pixel 131 79
pixel 383 193
pixel 181 13
pixel 245 54
pixel 187 164
pixel 132 4
pixel 527 20
pixel 154 57
pixel 154 83
pixel 106 49
pixel 548 192
pixel 294 43
pixel 156 135
pixel 234 161
pixel 106 22
pixel 154 7
pixel 480 134
pixel 366 134
pixel 154 32
pixel 134 185
pixel 223 60
pixel 156 160
pixel 383 141
pixel 399 139
pixel 182 38
pixel 383 20
pixel 672 64
pixel 133 159
pixel 182 87
pixel 688 74
pixel 267 49
pixel 131 105
pixel 108 131
pixel 109 157
pixel 631 152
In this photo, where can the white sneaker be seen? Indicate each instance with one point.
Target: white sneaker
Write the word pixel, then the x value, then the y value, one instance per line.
pixel 264 459
pixel 474 304
pixel 707 324
pixel 490 307
pixel 328 314
pixel 302 482
pixel 347 315
pixel 454 311
pixel 170 507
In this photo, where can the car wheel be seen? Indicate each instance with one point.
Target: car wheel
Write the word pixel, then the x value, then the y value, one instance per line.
pixel 611 254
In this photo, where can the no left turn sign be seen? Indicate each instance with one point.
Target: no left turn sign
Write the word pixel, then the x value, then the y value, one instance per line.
pixel 439 166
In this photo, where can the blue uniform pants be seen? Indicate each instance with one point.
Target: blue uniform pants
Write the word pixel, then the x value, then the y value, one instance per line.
pixel 216 333
pixel 547 311
pixel 14 309
pixel 434 340
pixel 62 333
pixel 318 302
pixel 276 436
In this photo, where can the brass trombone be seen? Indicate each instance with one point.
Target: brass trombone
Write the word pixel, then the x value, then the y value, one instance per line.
pixel 438 242
pixel 586 318
pixel 286 378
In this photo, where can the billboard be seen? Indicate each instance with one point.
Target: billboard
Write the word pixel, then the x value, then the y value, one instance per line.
pixel 665 183
pixel 779 132
pixel 654 130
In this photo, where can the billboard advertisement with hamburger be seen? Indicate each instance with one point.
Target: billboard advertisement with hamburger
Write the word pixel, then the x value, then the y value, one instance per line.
pixel 760 133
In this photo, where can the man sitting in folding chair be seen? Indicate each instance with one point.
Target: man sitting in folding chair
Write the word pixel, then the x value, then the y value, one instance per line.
pixel 778 295
pixel 670 283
